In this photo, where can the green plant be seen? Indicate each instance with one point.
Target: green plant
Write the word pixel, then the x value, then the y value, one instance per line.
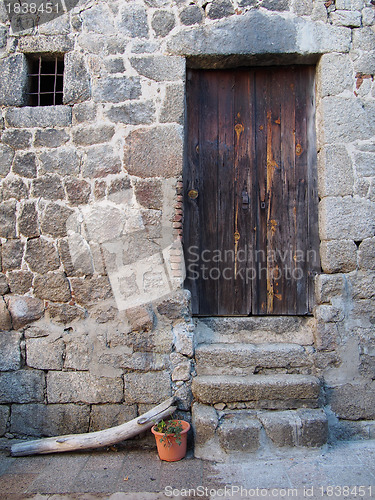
pixel 169 428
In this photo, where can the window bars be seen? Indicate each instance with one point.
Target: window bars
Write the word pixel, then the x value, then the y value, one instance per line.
pixel 46 80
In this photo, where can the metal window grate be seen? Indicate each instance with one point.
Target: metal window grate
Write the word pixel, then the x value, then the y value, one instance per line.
pixel 45 80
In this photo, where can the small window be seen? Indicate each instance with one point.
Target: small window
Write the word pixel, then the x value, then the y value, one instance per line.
pixel 45 80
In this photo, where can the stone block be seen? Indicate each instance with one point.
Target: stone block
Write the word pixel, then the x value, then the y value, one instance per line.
pixel 4 288
pixel 353 401
pixel 22 386
pixel 76 256
pixel 101 161
pixel 39 44
pixel 220 8
pixel 177 306
pixel 326 335
pixel 363 61
pixel 115 65
pixel 8 219
pixel 17 139
pixel 64 313
pixel 191 14
pixel 314 428
pixel 98 19
pixel 149 193
pixel 346 120
pixel 87 136
pixel 151 387
pixel 20 282
pixel 4 417
pixel 24 310
pixel 111 415
pixel 45 353
pixel 41 255
pixel 133 21
pixel 338 256
pixel 12 254
pixel 6 159
pixel 82 387
pixel 328 286
pixel 117 89
pixel 52 286
pixel 63 161
pixel 362 285
pixel 90 290
pixel 366 254
pixel 25 165
pixel 239 433
pixel 335 171
pixel 28 223
pixel 163 22
pixel 280 427
pixel 10 352
pixel 106 223
pixel 182 371
pixel 55 220
pixel 133 113
pixel 77 84
pixel 77 191
pixel 141 318
pixel 48 187
pixel 13 70
pixel 5 318
pixel 160 68
pixel 39 116
pixel 154 161
pixel 84 112
pixel 120 191
pixel 365 163
pixel 368 16
pixel 351 19
pixel 346 218
pixel 183 339
pixel 173 104
pixel 205 422
pixel 49 420
pixel 50 138
pixel 78 352
pixel 14 188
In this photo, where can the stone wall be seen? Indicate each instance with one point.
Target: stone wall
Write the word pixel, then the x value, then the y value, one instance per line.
pixel 94 326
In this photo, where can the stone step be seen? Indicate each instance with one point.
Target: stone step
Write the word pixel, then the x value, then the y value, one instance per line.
pixel 256 330
pixel 247 359
pixel 220 435
pixel 275 391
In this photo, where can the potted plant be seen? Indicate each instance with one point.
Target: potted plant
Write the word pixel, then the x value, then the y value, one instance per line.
pixel 171 438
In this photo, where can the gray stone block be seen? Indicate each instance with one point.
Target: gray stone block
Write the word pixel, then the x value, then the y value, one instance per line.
pixel 10 352
pixel 23 386
pixel 20 282
pixel 328 286
pixel 111 415
pixel 8 219
pixel 314 428
pixel 91 290
pixel 6 159
pixel 12 254
pixel 49 187
pixel 45 353
pixel 40 44
pixel 28 223
pixel 5 318
pixel 117 89
pixel 163 22
pixel 205 422
pixel 220 8
pixel 335 74
pixel 56 220
pixel 4 288
pixel 84 112
pixel 365 163
pixel 82 387
pixel 39 116
pixel 25 165
pixel 362 285
pixel 353 401
pixel 62 161
pixel 14 188
pixel 363 62
pixel 77 191
pixel 77 84
pixel 183 339
pixel 17 139
pixel 4 417
pixel 133 113
pixel 13 81
pixel 98 19
pixel 351 19
pixel 346 218
pixel 151 387
pixel 239 433
pixel 41 255
pixel 192 14
pixel 101 161
pixel 87 136
pixel 160 68
pixel 280 427
pixel 153 161
pixel 49 420
pixel 76 256
pixel 78 352
pixel 173 104
pixel 338 256
pixel 64 313
pixel 335 171
pixel 366 254
pixel 52 286
pixel 133 21
pixel 24 310
pixel 50 138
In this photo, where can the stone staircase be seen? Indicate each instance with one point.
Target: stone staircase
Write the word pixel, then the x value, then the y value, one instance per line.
pixel 255 386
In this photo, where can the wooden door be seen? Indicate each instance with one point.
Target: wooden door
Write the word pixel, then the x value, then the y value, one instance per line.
pixel 250 201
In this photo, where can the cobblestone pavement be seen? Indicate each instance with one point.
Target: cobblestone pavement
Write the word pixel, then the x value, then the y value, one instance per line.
pixel 346 470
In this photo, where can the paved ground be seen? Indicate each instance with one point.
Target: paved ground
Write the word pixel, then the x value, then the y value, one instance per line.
pixel 346 470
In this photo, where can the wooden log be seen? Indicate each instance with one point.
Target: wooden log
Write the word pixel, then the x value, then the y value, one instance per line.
pixel 96 439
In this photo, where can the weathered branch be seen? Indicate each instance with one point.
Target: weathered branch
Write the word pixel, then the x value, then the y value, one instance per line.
pixel 97 439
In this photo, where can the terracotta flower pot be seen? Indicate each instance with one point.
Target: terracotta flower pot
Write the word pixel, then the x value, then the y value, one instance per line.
pixel 168 449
